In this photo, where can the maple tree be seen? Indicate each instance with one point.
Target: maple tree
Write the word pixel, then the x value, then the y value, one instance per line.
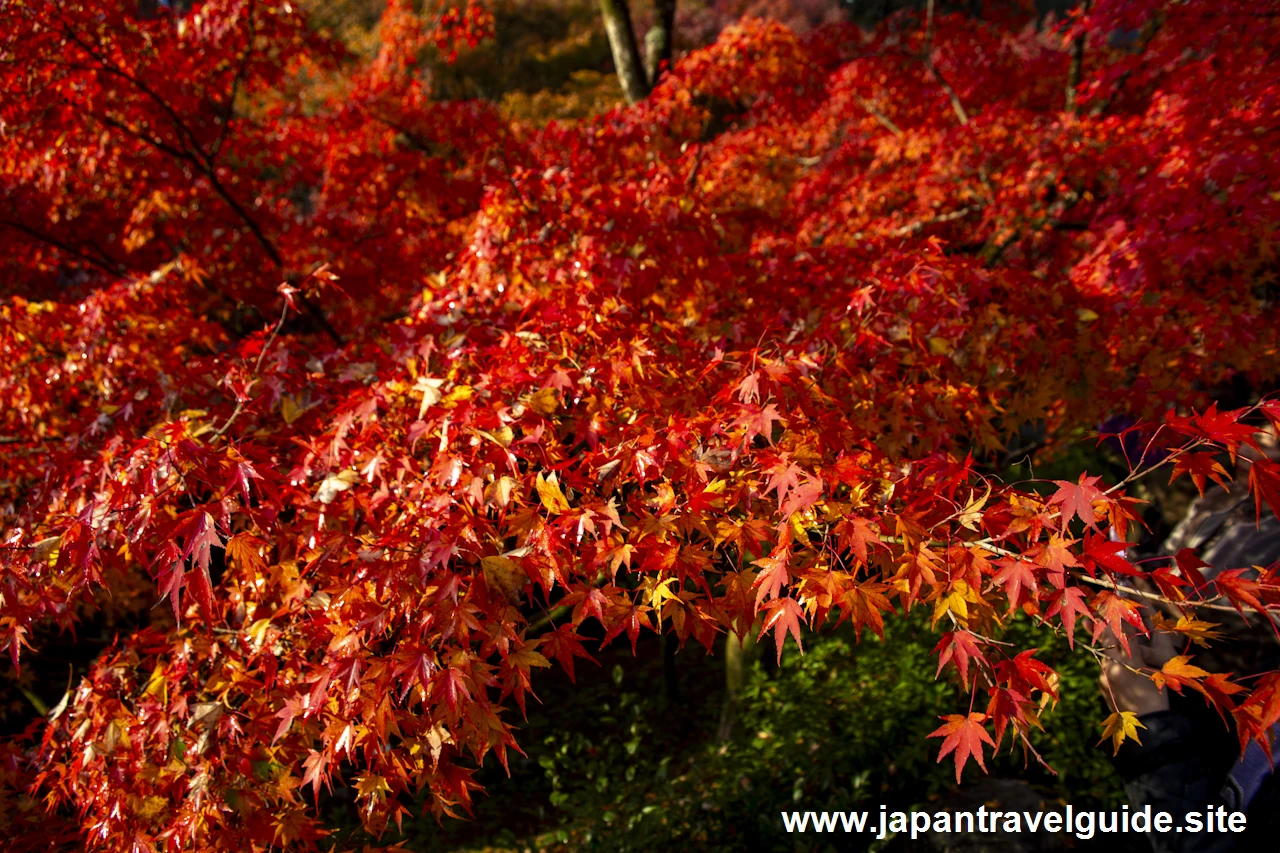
pixel 397 401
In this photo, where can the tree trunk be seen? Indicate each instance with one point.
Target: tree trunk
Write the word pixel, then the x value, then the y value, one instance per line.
pixel 737 661
pixel 658 41
pixel 1076 69
pixel 626 56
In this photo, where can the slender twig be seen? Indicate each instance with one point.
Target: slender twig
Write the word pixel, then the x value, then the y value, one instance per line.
pixel 880 117
pixel 257 368
pixel 692 178
pixel 914 227
pixel 546 620
pixel 956 106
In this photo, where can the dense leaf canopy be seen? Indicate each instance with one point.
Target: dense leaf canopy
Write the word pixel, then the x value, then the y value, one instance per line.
pixel 367 384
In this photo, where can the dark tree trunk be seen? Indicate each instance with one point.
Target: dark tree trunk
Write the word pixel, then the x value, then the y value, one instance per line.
pixel 1076 69
pixel 626 55
pixel 658 41
pixel 1073 72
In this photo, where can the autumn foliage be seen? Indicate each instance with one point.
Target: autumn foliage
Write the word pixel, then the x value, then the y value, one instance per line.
pixel 363 384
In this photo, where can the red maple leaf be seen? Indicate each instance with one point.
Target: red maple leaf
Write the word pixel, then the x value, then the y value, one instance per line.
pixel 1190 564
pixel 855 534
pixel 958 647
pixel 1006 705
pixel 1056 557
pixel 964 735
pixel 1067 604
pixel 783 615
pixel 1200 467
pixel 1264 483
pixel 1115 612
pixel 293 706
pixel 1222 428
pixel 863 604
pixel 773 576
pixel 1016 576
pixel 563 645
pixel 784 475
pixel 1218 689
pixel 802 497
pixel 1075 500
pixel 1240 590
pixel 1101 551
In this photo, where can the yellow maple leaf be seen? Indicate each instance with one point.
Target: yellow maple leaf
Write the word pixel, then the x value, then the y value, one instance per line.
pixel 290 409
pixel 955 600
pixel 504 575
pixel 1121 726
pixel 658 591
pixel 550 494
pixel 157 686
pixel 1199 632
pixel 457 395
pixel 372 786
pixel 527 657
pixel 545 401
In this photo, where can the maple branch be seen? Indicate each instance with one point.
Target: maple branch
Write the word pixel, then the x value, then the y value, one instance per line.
pixel 113 69
pixel 927 58
pixel 914 227
pixel 312 310
pixel 956 106
pixel 880 117
pixel 410 135
pixel 991 253
pixel 158 144
pixel 956 622
pixel 984 544
pixel 1207 604
pixel 928 27
pixel 692 177
pixel 1139 473
pixel 195 154
pixel 871 108
pixel 1103 105
pixel 1100 655
pixel 249 221
pixel 113 267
